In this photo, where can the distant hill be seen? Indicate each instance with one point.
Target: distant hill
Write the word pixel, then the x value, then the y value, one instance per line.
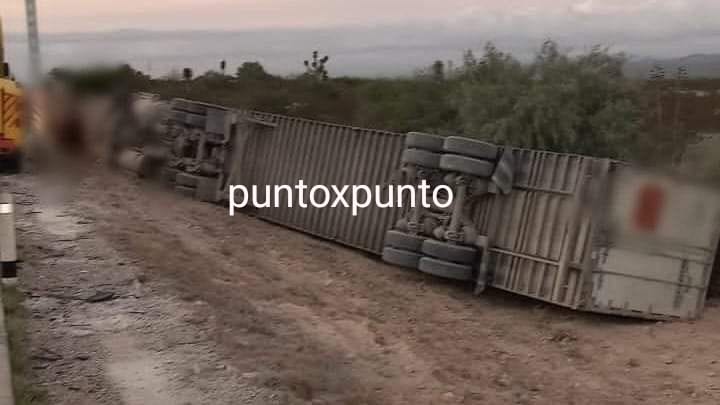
pixel 699 66
pixel 383 51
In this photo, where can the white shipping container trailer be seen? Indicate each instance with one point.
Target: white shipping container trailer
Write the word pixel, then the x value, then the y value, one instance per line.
pixel 601 236
pixel 581 232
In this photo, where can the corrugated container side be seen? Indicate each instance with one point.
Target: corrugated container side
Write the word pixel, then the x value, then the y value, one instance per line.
pixel 326 154
pixel 549 238
pixel 537 232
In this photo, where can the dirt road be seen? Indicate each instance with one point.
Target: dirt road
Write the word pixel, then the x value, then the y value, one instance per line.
pixel 139 296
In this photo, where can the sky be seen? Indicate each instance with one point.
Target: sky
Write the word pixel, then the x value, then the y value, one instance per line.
pixel 385 36
pixel 634 17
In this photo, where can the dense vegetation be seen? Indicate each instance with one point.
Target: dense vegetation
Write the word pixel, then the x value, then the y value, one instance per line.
pixel 578 103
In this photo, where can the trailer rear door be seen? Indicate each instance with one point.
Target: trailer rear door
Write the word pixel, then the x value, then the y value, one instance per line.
pixel 655 246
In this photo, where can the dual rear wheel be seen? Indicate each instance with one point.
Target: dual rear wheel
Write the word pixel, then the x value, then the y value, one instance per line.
pixel 456 155
pixel 431 256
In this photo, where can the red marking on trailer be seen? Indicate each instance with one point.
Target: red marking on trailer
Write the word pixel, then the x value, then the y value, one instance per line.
pixel 649 208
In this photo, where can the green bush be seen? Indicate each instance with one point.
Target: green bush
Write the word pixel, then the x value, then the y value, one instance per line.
pixel 579 102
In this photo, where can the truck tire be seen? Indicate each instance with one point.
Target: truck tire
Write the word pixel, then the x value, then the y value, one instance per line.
pixel 189 106
pixel 419 140
pixel 404 241
pixel 9 269
pixel 207 189
pixel 449 252
pixel 186 191
pixel 179 117
pixel 14 163
pixel 187 180
pixel 445 269
pixel 470 147
pixel 196 121
pixel 401 258
pixel 422 158
pixel 467 165
pixel 168 175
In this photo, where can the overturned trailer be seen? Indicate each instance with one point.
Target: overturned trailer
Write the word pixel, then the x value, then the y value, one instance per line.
pixel 581 232
pixel 602 236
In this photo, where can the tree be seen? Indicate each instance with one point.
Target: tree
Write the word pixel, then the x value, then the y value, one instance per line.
pixel 315 68
pixel 656 73
pixel 656 77
pixel 580 104
pixel 114 79
pixel 438 70
pixel 187 74
pixel 251 70
pixel 665 137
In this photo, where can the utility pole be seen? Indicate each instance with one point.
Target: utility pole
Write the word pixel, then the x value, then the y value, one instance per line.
pixel 33 41
pixel 4 67
pixel 2 48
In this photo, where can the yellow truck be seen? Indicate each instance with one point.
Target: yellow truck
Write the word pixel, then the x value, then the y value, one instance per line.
pixel 11 111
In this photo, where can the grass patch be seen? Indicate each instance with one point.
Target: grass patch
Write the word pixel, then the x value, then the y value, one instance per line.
pixel 26 392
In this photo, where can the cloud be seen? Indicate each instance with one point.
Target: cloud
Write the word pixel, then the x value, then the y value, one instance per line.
pixel 599 21
pixel 613 7
pixel 373 36
pixel 583 8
